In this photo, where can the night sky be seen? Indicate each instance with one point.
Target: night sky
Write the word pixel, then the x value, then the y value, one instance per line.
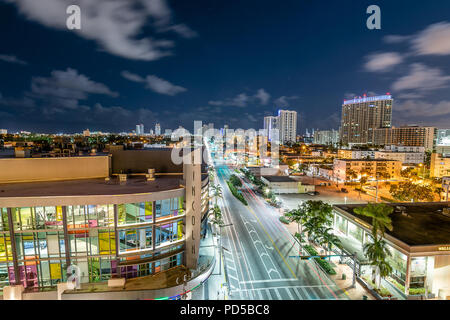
pixel 227 62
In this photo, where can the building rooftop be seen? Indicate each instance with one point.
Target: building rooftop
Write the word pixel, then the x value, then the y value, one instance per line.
pixel 414 223
pixel 279 179
pixel 368 160
pixel 134 184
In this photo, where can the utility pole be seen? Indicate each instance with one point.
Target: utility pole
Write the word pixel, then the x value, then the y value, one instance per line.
pixel 220 246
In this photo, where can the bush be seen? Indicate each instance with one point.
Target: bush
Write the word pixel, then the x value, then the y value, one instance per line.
pixel 324 264
pixel 284 220
pixel 299 237
pixel 416 291
pixel 382 291
pixel 236 193
pixel 235 181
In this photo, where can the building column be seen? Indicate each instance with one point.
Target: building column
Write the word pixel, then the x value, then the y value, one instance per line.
pixel 13 246
pixel 66 236
pixel 408 274
pixel 116 234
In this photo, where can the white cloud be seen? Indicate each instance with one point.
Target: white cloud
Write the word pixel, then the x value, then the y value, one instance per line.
pixel 183 30
pixel 68 84
pixel 263 96
pixel 393 39
pixel 283 101
pixel 155 83
pixel 115 25
pixel 434 40
pixel 11 59
pixel 422 79
pixel 240 100
pixel 163 86
pixel 132 76
pixel 382 62
pixel 419 108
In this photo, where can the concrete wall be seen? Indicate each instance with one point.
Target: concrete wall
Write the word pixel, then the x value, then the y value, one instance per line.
pixel 139 161
pixel 52 169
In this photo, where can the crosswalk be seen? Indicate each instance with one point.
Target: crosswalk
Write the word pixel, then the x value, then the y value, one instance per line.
pixel 283 293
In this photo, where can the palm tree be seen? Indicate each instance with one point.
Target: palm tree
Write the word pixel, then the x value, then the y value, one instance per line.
pixel 380 216
pixel 330 239
pixel 217 192
pixel 217 215
pixel 377 252
pixel 298 216
pixel 318 215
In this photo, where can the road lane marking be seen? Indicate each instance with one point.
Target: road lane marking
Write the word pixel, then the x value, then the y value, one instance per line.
pixel 289 293
pixel 278 294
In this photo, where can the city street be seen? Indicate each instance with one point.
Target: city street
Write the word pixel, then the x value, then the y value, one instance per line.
pixel 258 249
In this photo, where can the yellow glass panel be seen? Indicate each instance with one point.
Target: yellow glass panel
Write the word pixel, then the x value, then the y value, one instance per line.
pixel 121 213
pixel 107 242
pixel 59 213
pixel 55 270
pixel 180 230
pixel 148 208
pixel 5 250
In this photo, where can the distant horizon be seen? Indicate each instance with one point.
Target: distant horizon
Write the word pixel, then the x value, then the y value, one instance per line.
pixel 219 61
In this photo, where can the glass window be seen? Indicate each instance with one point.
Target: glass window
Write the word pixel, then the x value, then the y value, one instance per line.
pixel 168 232
pixel 132 213
pixel 4 220
pixel 5 248
pixel 355 232
pixel 135 239
pixel 107 242
pixel 169 207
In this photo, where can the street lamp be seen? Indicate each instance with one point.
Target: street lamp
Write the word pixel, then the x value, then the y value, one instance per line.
pixel 423 167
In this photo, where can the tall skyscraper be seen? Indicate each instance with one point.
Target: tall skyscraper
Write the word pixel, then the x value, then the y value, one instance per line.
pixel 288 125
pixel 270 123
pixel 139 129
pixel 361 116
pixel 157 129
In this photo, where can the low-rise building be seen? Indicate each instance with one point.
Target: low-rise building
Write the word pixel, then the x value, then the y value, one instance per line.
pixel 355 154
pixel 285 184
pixel 439 165
pixel 419 245
pixel 388 169
pixel 403 157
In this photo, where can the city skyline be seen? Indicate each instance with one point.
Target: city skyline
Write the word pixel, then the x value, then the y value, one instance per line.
pixel 199 66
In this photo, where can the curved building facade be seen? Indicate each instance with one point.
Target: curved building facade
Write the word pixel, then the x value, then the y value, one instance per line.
pixel 105 227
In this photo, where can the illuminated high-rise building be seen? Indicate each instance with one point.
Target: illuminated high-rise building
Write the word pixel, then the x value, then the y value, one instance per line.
pixel 361 116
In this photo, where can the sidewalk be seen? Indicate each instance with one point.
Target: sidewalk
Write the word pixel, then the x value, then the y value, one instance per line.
pixel 356 293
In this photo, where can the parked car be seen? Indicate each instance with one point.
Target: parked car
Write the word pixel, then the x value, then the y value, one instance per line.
pixel 313 193
pixel 344 190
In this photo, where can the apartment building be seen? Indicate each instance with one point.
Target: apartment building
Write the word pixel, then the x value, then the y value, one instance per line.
pixel 387 169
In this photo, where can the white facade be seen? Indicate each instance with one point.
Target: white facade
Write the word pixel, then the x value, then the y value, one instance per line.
pixel 139 129
pixel 326 137
pixel 158 129
pixel 403 157
pixel 288 126
pixel 270 123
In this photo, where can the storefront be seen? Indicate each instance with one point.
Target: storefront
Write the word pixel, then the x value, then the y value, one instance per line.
pixel 417 269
